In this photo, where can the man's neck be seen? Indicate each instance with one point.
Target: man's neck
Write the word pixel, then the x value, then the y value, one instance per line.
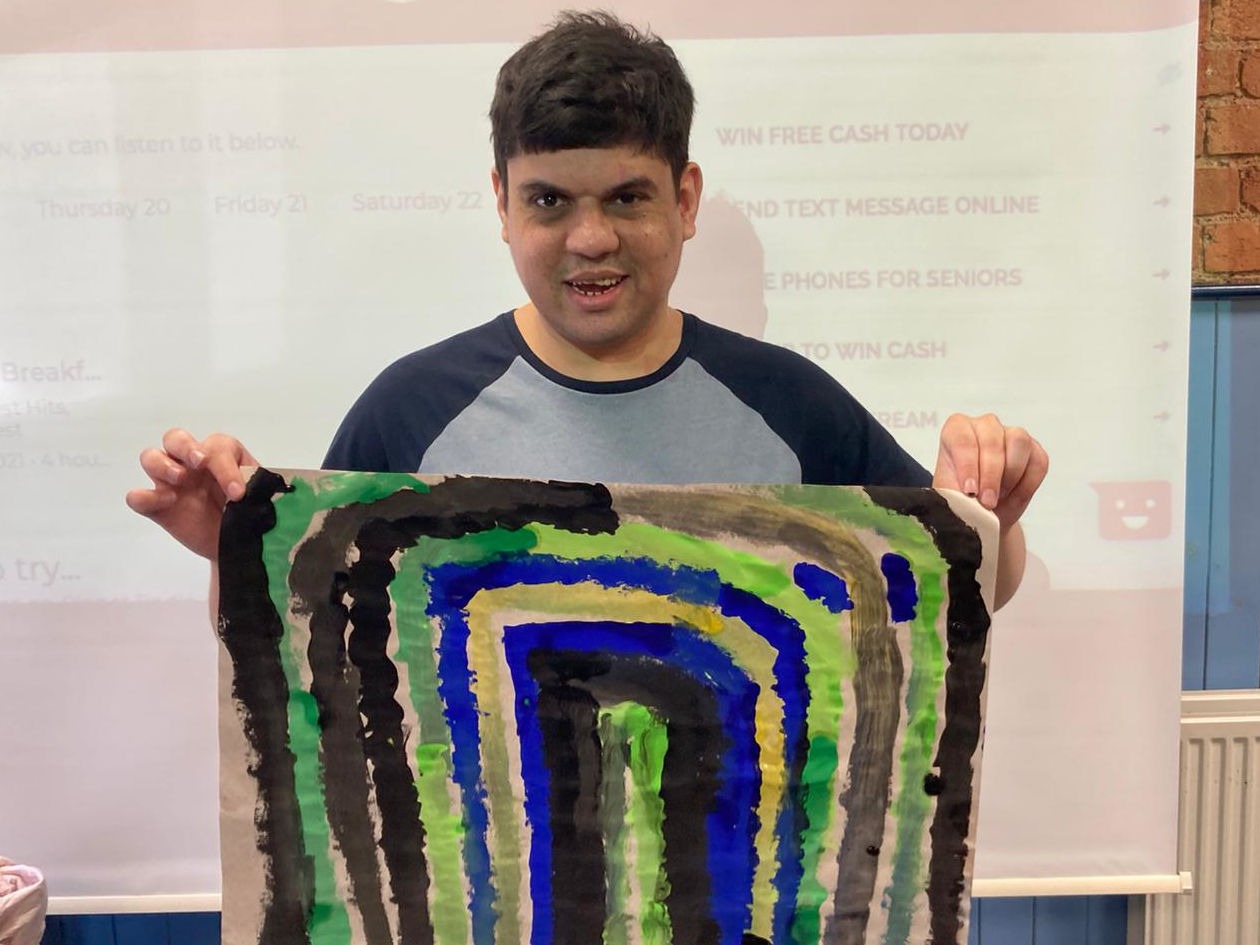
pixel 630 358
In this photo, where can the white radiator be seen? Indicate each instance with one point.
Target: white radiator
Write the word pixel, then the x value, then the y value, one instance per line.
pixel 1219 832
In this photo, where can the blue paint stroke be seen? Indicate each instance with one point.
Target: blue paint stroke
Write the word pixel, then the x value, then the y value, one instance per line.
pixel 902 593
pixel 460 708
pixel 821 585
pixel 537 782
pixel 453 586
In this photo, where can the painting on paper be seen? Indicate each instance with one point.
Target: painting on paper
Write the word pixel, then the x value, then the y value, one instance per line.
pixel 473 710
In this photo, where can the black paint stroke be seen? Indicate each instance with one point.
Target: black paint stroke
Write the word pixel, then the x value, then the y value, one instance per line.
pixel 690 781
pixel 967 624
pixel 355 686
pixel 252 633
pixel 568 720
pixel 318 581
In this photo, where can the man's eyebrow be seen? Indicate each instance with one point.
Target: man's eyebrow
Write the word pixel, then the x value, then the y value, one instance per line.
pixel 634 183
pixel 534 185
pixel 537 185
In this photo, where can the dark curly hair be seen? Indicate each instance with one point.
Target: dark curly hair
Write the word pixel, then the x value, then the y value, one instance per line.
pixel 592 81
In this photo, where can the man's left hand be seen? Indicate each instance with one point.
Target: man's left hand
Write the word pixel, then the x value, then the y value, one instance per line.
pixel 1000 466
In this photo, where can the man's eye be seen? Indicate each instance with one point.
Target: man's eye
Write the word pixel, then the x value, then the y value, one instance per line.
pixel 547 201
pixel 628 199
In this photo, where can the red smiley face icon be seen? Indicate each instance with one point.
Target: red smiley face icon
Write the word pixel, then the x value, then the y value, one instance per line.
pixel 1134 511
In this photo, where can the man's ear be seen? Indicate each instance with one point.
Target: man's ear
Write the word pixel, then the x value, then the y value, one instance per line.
pixel 499 185
pixel 690 185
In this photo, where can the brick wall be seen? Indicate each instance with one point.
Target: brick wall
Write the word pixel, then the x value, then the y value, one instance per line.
pixel 1226 247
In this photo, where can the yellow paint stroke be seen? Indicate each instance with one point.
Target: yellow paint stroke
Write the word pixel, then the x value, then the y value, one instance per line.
pixel 491 610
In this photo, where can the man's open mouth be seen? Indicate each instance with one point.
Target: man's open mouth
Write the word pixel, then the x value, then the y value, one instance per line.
pixel 595 287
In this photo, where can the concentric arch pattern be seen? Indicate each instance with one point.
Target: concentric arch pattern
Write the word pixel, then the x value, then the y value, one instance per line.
pixel 475 710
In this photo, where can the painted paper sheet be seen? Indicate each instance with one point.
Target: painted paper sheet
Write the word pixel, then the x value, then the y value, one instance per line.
pixel 487 710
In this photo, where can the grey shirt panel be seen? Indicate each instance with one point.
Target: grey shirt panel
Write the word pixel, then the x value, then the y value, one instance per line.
pixel 686 427
pixel 723 408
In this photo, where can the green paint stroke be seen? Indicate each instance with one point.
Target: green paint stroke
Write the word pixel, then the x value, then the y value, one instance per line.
pixel 444 826
pixel 618 848
pixel 637 848
pixel 328 922
pixel 913 805
pixel 817 796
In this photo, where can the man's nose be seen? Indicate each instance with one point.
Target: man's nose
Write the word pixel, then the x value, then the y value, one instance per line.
pixel 592 233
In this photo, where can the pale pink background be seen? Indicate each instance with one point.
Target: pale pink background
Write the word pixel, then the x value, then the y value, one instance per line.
pixel 96 26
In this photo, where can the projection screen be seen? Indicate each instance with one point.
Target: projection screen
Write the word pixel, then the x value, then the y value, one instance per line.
pixel 230 216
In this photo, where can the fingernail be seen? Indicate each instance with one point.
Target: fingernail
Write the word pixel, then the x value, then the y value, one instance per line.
pixel 235 490
pixel 196 458
pixel 989 499
pixel 969 487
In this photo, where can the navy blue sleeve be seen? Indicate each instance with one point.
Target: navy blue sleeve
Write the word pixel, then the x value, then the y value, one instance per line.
pixel 407 407
pixel 836 439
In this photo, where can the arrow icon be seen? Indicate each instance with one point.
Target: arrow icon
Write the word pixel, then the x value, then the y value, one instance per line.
pixel 1162 129
pixel 1162 274
pixel 1162 202
pixel 1161 345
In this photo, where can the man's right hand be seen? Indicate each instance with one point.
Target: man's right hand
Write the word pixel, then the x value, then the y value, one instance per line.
pixel 192 481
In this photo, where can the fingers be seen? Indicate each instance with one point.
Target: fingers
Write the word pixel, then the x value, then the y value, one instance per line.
pixel 991 448
pixel 1027 466
pixel 999 465
pixel 958 465
pixel 150 502
pixel 220 456
pixel 161 467
pixel 1016 448
pixel 184 448
pixel 206 472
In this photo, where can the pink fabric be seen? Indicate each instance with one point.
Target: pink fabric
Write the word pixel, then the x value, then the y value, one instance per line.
pixel 23 902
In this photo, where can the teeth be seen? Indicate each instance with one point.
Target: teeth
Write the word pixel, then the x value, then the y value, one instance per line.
pixel 593 287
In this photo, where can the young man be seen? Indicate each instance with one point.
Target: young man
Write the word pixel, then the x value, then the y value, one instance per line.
pixel 596 377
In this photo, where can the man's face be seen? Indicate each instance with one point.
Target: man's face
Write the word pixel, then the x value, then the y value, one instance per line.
pixel 596 235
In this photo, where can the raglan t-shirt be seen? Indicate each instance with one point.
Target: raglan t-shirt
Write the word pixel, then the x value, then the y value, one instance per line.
pixel 724 408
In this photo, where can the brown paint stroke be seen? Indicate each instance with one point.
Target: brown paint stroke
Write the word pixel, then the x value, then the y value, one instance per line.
pixel 877 680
